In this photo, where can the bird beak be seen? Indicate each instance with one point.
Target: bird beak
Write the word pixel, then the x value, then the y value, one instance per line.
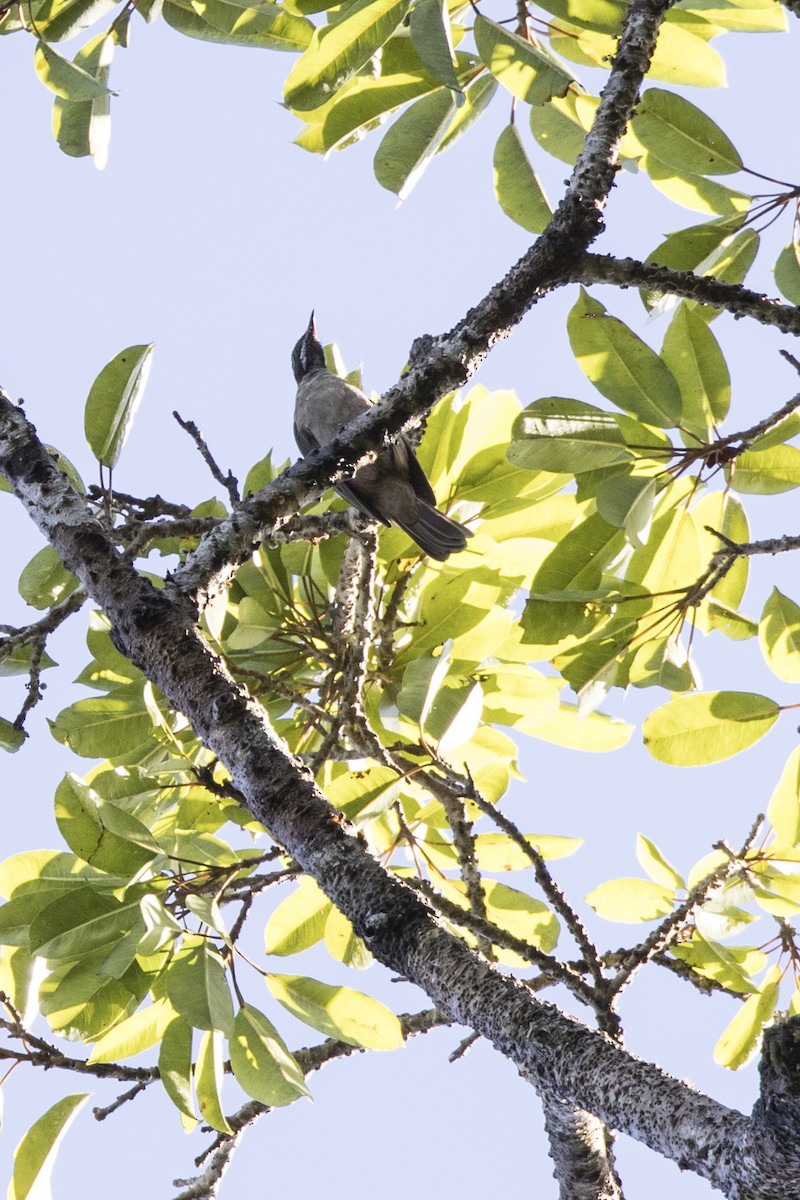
pixel 312 329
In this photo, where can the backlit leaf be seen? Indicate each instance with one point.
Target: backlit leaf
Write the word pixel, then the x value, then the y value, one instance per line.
pixel 113 400
pixel 708 727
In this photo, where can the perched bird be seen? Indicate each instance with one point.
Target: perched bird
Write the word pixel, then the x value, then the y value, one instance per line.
pixel 393 488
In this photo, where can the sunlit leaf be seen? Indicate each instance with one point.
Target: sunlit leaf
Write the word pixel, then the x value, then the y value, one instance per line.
pixel 528 72
pixel 262 1064
pixel 517 188
pixel 621 366
pixel 740 1040
pixel 35 1154
pixel 337 51
pixel 208 1076
pixel 338 1012
pixel 631 900
pixel 708 727
pixel 784 806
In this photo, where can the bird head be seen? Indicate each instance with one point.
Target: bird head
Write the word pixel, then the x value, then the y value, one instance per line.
pixel 308 354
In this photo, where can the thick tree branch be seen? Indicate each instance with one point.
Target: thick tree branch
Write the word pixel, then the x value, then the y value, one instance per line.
pixel 566 1059
pixel 580 1147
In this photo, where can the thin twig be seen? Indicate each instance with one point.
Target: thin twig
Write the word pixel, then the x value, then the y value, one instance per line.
pixel 660 938
pixel 229 481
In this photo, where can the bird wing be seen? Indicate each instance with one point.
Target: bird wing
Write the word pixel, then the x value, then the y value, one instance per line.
pixel 405 461
pixel 307 444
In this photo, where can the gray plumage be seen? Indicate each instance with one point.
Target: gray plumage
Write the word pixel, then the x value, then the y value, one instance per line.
pixel 393 488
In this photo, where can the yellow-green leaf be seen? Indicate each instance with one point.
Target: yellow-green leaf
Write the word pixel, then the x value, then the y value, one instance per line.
pixel 631 900
pixel 516 185
pixel 783 811
pixel 65 78
pixel 529 73
pixel 621 366
pixel 261 1062
pixel 35 1154
pixel 337 51
pixel 683 136
pixel 779 636
pixel 707 727
pixel 208 1076
pixel 740 1040
pixel 338 1012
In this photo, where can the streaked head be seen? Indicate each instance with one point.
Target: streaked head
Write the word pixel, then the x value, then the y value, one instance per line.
pixel 308 354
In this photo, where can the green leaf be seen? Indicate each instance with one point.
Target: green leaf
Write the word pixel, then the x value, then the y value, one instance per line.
pixel 783 812
pixel 175 1068
pixel 134 1035
pixel 340 49
pixel 412 141
pixel 59 20
pixel 262 1064
pixel 45 581
pixel 787 272
pixel 682 58
pixel 570 436
pixel 779 636
pixel 740 1040
pixel 754 16
pixel 105 726
pixel 527 72
pixel 516 185
pixel 299 921
pixel 594 732
pixel 521 915
pixel 338 1012
pixel 18 661
pixel 198 987
pixel 766 472
pixel 113 400
pixel 208 1076
pixel 698 365
pixel 627 502
pixel 80 921
pixel 682 136
pixel 83 127
pixel 729 965
pixel 343 944
pixel 559 127
pixel 266 24
pixel 452 605
pixel 603 15
pixel 621 366
pixel 66 79
pixel 662 662
pixel 11 738
pixel 696 191
pixel 692 731
pixel 631 900
pixel 498 852
pixel 430 35
pixel 518 695
pixel 108 837
pixel 35 1154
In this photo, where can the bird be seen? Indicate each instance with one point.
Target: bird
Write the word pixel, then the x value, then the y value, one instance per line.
pixel 393 488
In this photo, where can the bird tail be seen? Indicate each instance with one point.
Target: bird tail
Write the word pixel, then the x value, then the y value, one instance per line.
pixel 434 533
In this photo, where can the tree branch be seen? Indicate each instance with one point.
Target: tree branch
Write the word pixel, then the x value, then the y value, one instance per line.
pixel 733 297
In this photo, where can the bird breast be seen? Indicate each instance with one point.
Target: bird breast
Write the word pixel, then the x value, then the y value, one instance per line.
pixel 325 404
